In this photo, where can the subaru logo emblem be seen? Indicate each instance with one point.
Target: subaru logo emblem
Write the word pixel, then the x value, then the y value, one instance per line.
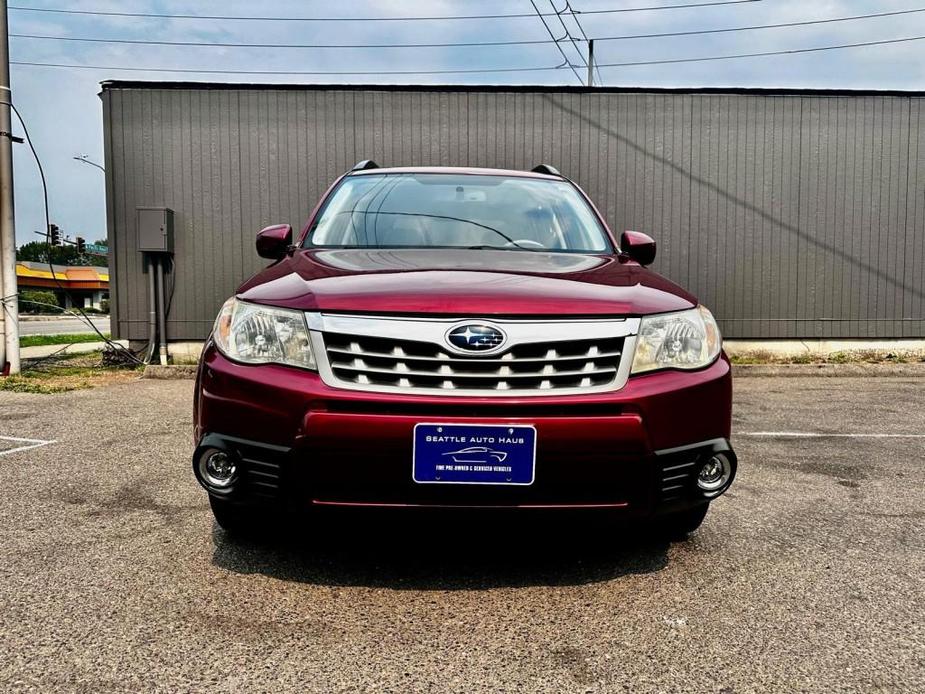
pixel 475 337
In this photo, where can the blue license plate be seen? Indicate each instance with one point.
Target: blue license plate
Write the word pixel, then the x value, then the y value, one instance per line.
pixel 474 454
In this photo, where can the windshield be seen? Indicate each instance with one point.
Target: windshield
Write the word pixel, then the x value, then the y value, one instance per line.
pixel 427 210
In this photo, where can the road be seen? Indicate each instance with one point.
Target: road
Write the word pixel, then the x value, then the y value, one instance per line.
pixel 61 326
pixel 808 576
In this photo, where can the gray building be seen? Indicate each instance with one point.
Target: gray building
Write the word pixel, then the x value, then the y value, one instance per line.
pixel 791 214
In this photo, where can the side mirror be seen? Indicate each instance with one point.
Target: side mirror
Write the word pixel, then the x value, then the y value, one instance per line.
pixel 274 241
pixel 638 246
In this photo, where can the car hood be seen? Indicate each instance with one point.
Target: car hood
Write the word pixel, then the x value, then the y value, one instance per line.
pixel 464 282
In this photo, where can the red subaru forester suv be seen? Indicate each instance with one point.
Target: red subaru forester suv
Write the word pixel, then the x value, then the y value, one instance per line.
pixel 462 338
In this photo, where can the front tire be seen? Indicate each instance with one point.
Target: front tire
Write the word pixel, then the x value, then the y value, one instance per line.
pixel 679 525
pixel 237 519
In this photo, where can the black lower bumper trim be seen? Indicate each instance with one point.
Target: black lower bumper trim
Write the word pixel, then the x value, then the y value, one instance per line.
pixel 262 466
pixel 268 476
pixel 677 471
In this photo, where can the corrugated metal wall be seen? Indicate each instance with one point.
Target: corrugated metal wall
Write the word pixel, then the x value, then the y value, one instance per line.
pixel 790 215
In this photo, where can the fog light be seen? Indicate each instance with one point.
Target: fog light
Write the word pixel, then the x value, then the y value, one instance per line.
pixel 217 469
pixel 714 474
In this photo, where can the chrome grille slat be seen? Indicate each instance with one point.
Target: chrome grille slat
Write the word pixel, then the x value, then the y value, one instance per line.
pixel 463 374
pixel 485 360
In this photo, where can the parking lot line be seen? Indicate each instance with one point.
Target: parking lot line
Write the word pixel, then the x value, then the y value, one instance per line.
pixel 27 444
pixel 823 435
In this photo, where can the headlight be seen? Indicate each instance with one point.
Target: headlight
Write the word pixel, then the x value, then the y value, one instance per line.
pixel 256 334
pixel 682 340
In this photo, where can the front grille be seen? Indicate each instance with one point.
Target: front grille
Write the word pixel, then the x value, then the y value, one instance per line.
pixel 415 365
pixel 418 355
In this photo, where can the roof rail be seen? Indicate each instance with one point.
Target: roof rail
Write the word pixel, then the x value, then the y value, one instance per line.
pixel 546 169
pixel 365 164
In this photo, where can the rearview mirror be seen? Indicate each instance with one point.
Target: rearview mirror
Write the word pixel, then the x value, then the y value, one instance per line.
pixel 274 241
pixel 638 246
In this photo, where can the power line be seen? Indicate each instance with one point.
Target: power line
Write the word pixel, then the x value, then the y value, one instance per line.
pixel 219 44
pixel 561 66
pixel 525 42
pixel 756 26
pixel 556 41
pixel 294 72
pixel 758 55
pixel 519 15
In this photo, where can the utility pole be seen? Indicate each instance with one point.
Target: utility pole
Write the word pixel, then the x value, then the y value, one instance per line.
pixel 9 356
pixel 590 62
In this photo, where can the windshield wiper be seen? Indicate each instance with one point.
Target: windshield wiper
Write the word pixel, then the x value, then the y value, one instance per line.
pixel 486 247
pixel 441 216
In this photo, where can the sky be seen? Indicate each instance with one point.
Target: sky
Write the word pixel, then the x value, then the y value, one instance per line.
pixel 63 111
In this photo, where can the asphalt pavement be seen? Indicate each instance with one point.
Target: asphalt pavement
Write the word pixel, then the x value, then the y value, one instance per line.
pixel 809 575
pixel 62 326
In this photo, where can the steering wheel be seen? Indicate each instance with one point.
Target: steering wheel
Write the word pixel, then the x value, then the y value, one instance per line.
pixel 524 243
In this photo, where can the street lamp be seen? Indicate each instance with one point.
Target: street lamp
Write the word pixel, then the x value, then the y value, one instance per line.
pixel 85 158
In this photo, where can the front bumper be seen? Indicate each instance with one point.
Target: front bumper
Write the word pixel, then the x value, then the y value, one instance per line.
pixel 303 443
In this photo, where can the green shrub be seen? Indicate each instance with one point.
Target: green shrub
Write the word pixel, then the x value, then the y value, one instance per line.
pixel 104 305
pixel 28 296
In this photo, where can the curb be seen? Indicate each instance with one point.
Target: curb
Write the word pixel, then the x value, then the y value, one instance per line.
pixel 914 370
pixel 39 351
pixel 45 317
pixel 170 373
pixel 60 317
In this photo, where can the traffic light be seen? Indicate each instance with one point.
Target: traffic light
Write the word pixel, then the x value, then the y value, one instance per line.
pixel 54 235
pixel 81 245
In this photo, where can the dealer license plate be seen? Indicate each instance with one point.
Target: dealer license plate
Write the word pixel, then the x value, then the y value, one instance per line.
pixel 474 454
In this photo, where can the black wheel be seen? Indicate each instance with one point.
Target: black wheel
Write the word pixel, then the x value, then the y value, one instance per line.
pixel 237 519
pixel 679 525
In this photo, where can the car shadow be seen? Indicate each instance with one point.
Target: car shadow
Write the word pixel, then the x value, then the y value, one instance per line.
pixel 442 553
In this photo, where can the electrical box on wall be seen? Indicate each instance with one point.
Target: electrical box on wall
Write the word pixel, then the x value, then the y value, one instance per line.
pixel 155 229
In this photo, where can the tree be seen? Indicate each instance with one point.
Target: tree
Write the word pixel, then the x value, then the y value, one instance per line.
pixel 37 251
pixel 32 301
